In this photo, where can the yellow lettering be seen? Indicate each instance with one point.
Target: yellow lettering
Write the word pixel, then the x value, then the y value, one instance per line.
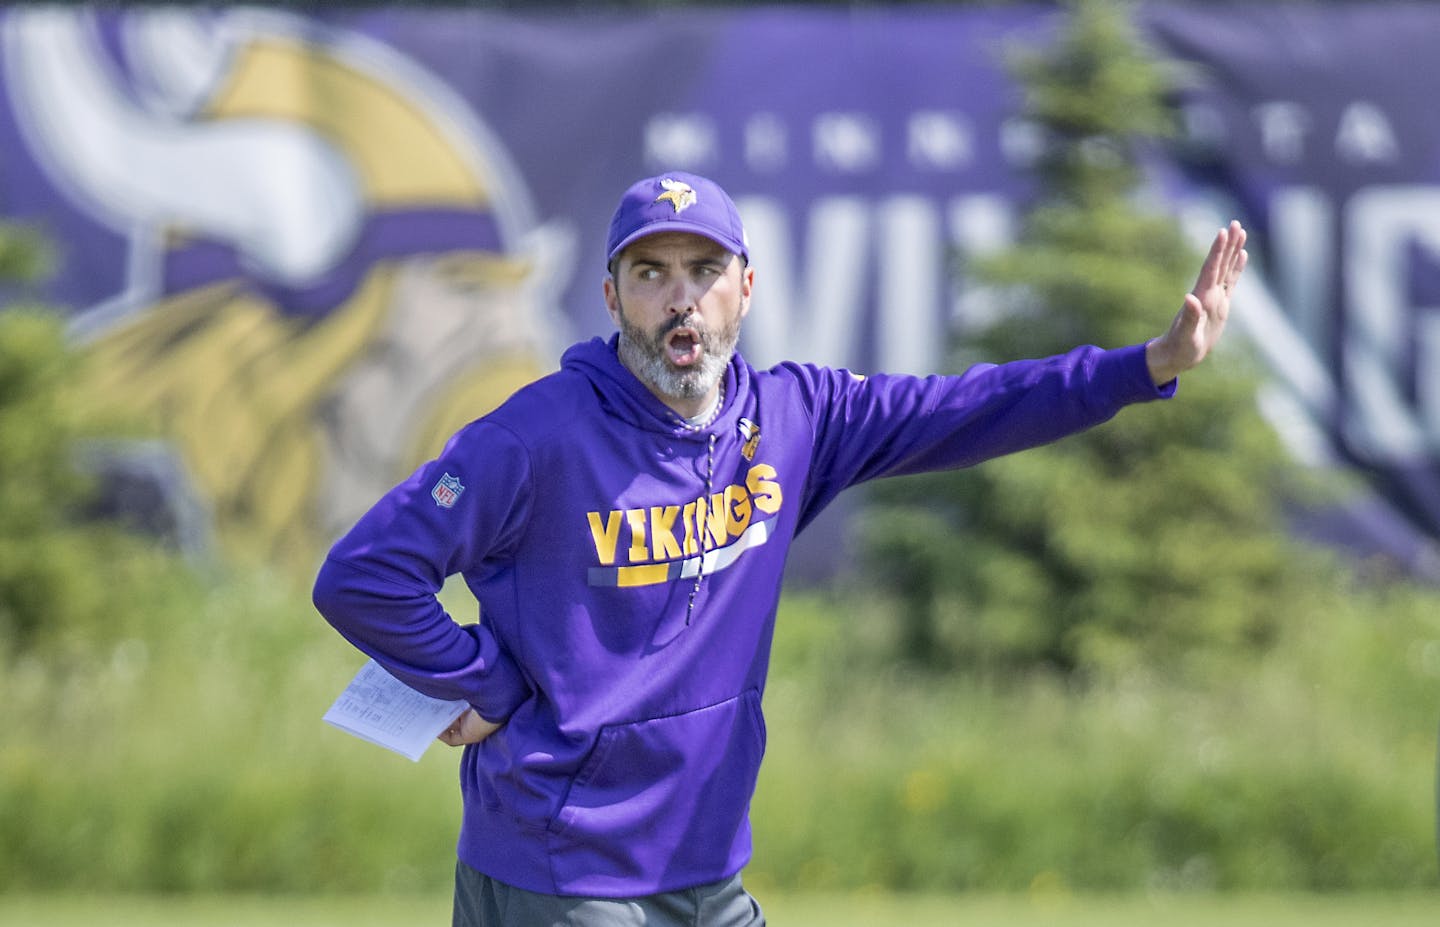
pixel 737 511
pixel 607 537
pixel 715 521
pixel 662 532
pixel 764 490
pixel 689 517
pixel 654 532
pixel 638 551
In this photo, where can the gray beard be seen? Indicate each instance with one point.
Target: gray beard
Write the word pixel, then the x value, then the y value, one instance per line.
pixel 645 356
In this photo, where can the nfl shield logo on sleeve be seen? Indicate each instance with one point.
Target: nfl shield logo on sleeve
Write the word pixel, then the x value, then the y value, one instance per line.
pixel 447 491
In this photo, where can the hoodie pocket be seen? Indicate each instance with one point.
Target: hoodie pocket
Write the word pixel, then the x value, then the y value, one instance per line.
pixel 661 802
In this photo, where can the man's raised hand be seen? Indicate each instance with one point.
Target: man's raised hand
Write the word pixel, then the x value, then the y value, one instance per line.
pixel 1201 320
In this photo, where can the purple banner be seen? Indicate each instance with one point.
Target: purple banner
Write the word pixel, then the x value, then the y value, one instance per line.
pixel 310 246
pixel 1315 123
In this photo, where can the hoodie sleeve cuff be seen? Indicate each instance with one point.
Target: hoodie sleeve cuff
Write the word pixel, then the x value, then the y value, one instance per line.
pixel 1131 377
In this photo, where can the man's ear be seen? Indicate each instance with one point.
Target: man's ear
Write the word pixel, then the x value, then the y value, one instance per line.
pixel 747 283
pixel 612 299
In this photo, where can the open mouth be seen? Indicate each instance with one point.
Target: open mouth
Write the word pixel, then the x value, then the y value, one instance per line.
pixel 683 347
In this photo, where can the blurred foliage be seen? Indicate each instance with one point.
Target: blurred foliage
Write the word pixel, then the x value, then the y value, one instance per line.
pixel 25 256
pixel 189 756
pixel 1137 541
pixel 68 582
pixel 1309 766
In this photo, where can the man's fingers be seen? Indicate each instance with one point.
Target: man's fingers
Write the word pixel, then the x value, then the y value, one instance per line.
pixel 469 728
pixel 1242 257
pixel 1226 260
pixel 452 734
pixel 1234 252
pixel 1216 265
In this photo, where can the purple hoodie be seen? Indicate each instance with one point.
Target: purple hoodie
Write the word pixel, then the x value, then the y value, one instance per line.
pixel 628 572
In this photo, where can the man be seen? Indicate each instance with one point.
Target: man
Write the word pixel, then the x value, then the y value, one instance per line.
pixel 624 523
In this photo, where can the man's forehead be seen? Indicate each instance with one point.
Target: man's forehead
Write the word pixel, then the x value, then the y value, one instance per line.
pixel 669 245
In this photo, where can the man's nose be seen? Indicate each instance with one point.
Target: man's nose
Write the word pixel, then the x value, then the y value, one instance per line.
pixel 683 298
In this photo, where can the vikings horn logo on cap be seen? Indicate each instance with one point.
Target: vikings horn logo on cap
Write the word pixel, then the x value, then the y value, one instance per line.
pixel 679 193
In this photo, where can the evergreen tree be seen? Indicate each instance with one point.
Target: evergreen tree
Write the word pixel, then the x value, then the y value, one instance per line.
pixel 1148 537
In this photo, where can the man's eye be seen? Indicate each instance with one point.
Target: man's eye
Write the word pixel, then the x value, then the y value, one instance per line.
pixel 648 273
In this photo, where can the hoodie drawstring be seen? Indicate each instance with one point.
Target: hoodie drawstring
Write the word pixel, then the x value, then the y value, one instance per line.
pixel 705 527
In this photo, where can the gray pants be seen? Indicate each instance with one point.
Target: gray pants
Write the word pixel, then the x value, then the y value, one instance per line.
pixel 480 901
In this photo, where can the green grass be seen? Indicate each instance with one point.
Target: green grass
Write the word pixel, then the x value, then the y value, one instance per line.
pixel 784 910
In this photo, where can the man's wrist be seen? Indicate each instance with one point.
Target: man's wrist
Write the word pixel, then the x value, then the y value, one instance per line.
pixel 1162 370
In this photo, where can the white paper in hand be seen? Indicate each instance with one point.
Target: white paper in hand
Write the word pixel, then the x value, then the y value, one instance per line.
pixel 377 707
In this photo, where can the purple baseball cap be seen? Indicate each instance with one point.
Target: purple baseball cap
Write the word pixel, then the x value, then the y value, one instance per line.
pixel 676 202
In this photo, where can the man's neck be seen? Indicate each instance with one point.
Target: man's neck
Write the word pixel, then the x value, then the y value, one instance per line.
pixel 711 410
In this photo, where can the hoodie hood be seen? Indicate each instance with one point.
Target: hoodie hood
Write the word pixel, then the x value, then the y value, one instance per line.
pixel 622 395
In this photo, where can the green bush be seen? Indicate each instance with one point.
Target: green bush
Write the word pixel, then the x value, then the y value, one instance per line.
pixel 1310 766
pixel 191 756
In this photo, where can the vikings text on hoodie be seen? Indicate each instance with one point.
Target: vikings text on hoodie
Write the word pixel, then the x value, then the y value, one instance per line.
pixel 628 570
